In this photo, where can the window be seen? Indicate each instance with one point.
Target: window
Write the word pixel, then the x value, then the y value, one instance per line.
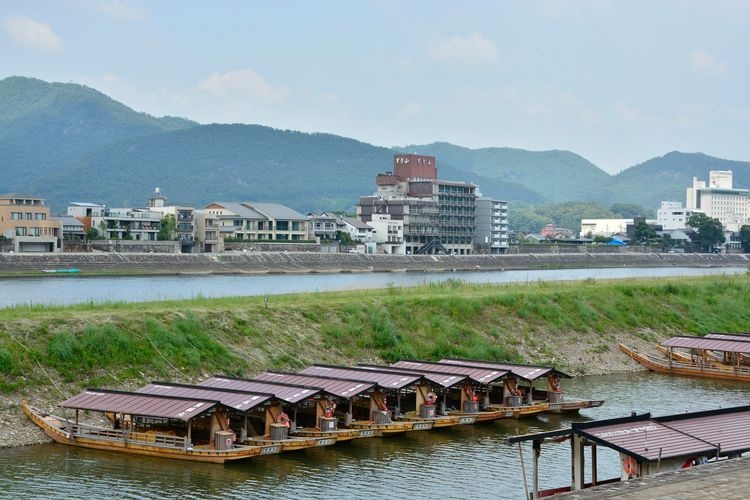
pixel 282 225
pixel 29 216
pixel 40 216
pixel 33 231
pixel 295 226
pixel 20 231
pixel 16 215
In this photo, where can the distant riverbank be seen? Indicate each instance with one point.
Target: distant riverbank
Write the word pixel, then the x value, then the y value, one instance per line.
pixel 309 262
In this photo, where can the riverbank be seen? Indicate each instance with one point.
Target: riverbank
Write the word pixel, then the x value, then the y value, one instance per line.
pixel 49 353
pixel 309 262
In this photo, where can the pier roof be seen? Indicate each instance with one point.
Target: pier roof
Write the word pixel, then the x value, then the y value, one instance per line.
pixel 384 380
pixel 131 403
pixel 242 401
pixel 728 429
pixel 336 386
pixel 285 392
pixel 526 372
pixel 477 374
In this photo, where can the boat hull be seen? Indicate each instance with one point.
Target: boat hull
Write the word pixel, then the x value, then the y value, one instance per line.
pixel 54 427
pixel 691 369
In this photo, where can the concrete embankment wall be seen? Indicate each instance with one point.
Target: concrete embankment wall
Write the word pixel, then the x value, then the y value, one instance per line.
pixel 304 262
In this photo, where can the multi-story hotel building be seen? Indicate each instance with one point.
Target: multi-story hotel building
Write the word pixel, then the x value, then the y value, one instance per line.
pixel 720 200
pixel 438 216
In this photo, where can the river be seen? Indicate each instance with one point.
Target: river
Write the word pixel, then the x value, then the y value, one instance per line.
pixel 71 289
pixel 467 462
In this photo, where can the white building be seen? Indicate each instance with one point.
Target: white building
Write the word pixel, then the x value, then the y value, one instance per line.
pixel 491 232
pixel 388 234
pixel 720 200
pixel 671 215
pixel 140 224
pixel 603 227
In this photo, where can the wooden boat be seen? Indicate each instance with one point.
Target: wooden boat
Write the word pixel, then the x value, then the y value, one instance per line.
pixel 395 427
pixel 690 369
pixel 294 443
pixel 684 358
pixel 61 430
pixel 564 404
pixel 340 434
pixel 522 410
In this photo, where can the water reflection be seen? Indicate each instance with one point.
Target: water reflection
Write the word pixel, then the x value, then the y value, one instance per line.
pixel 468 461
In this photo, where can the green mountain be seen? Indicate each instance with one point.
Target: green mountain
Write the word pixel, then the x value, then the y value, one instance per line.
pixel 68 142
pixel 556 175
pixel 46 126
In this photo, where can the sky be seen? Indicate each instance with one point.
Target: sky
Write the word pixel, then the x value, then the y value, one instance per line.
pixel 618 82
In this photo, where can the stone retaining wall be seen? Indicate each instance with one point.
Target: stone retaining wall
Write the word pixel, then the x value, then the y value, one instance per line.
pixel 309 262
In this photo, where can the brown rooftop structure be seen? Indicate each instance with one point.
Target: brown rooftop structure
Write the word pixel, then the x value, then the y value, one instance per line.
pixel 238 400
pixel 709 344
pixel 442 379
pixel 742 337
pixel 648 445
pixel 383 379
pixel 336 386
pixel 146 405
pixel 290 393
pixel 526 372
pixel 480 375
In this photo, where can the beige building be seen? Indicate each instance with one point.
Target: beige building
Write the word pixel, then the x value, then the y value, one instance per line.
pixel 26 220
pixel 259 221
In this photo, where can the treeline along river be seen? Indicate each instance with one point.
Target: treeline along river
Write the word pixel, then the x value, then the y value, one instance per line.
pixel 71 289
pixel 468 462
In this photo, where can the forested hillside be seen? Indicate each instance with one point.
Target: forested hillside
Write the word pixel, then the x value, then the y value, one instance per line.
pixel 68 142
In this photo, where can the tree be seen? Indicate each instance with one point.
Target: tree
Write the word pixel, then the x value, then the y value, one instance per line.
pixel 710 231
pixel 666 243
pixel 745 238
pixel 167 229
pixel 92 233
pixel 643 233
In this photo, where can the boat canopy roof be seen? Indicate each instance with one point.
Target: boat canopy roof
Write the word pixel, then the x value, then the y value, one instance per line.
pixel 336 386
pixel 742 337
pixel 477 374
pixel 242 401
pixel 290 393
pixel 526 372
pixel 442 379
pixel 649 438
pixel 712 344
pixel 384 380
pixel 146 405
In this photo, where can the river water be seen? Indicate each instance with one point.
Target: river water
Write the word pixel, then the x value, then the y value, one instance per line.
pixel 467 462
pixel 61 290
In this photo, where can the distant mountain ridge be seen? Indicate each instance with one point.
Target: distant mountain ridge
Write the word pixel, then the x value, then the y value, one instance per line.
pixel 67 142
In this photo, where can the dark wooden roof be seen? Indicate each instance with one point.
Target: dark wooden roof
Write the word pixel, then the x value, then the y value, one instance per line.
pixel 289 393
pixel 338 387
pixel 242 401
pixel 442 379
pixel 131 403
pixel 384 380
pixel 711 344
pixel 480 375
pixel 526 372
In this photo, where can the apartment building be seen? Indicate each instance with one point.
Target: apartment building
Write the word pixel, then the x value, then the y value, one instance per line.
pixel 140 224
pixel 184 217
pixel 491 234
pixel 26 220
pixel 259 221
pixel 672 215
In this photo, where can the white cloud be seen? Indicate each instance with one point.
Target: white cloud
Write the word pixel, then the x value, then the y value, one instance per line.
pixel 474 49
pixel 118 9
pixel 32 34
pixel 409 110
pixel 701 61
pixel 635 114
pixel 244 84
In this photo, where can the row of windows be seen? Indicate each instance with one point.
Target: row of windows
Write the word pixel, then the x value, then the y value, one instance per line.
pixel 28 216
pixel 35 231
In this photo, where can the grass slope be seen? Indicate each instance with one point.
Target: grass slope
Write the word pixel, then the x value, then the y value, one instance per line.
pixel 569 325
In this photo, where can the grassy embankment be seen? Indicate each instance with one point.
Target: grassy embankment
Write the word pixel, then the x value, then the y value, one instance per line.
pixel 574 326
